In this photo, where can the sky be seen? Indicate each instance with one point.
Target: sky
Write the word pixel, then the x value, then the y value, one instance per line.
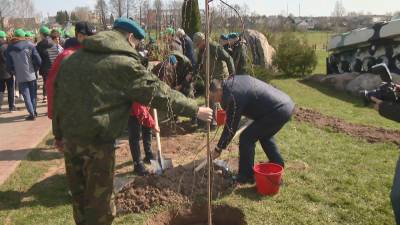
pixel 267 7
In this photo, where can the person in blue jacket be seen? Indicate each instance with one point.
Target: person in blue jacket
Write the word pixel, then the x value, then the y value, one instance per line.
pixel 270 109
pixel 23 60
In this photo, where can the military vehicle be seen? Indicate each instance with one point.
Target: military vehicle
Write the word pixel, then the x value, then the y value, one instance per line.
pixel 359 50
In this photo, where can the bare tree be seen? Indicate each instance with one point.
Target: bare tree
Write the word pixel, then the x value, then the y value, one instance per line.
pixel 144 12
pixel 118 7
pixel 175 17
pixel 17 9
pixel 102 10
pixel 25 8
pixel 82 13
pixel 158 5
pixel 7 8
pixel 339 10
pixel 396 15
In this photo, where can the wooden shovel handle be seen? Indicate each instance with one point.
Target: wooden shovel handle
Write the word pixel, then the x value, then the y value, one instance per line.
pixel 158 139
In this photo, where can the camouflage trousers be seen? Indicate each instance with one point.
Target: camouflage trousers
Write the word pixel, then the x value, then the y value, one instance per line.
pixel 90 174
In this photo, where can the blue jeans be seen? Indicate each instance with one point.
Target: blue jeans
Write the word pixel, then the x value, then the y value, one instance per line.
pixel 262 130
pixel 29 91
pixel 395 194
pixel 9 83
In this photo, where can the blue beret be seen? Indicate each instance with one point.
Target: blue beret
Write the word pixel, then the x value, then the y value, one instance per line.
pixel 233 35
pixel 129 25
pixel 224 37
pixel 172 59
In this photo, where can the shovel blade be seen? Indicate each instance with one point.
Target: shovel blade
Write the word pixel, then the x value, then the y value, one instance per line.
pixel 156 167
pixel 167 164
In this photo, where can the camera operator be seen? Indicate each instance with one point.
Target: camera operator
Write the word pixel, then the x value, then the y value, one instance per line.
pixel 391 110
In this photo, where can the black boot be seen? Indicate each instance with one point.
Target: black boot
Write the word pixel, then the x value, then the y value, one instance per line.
pixel 243 180
pixel 140 170
pixel 148 158
pixel 30 118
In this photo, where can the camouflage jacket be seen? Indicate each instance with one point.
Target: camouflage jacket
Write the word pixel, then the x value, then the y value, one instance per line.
pixel 239 55
pixel 177 76
pixel 97 85
pixel 221 63
pixel 184 67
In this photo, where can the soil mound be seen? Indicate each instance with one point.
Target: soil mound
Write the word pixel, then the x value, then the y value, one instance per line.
pixel 371 134
pixel 197 215
pixel 177 185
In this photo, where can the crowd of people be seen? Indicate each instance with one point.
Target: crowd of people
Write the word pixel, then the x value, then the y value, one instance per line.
pixel 23 59
pixel 97 84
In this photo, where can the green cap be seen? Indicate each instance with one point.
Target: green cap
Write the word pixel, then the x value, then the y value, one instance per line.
pixel 45 30
pixel 29 34
pixel 19 33
pixel 67 34
pixel 3 34
pixel 170 31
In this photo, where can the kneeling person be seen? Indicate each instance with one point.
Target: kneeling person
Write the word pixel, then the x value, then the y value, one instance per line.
pixel 270 109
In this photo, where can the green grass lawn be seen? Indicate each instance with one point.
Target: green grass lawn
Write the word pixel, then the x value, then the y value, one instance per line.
pixel 347 181
pixel 331 102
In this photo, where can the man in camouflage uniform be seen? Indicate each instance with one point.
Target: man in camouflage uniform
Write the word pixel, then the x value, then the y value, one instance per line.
pixel 221 63
pixel 94 91
pixel 177 72
pixel 239 53
pixel 224 42
pixel 183 71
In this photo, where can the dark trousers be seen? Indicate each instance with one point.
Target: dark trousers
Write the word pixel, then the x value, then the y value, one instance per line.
pixel 29 91
pixel 9 84
pixel 395 194
pixel 262 130
pixel 134 130
pixel 44 84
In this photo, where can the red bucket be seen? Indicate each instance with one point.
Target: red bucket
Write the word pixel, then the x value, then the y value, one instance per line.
pixel 268 178
pixel 221 117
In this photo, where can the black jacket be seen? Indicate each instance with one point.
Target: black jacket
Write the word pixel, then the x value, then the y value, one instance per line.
pixel 42 47
pixel 247 96
pixel 390 111
pixel 3 60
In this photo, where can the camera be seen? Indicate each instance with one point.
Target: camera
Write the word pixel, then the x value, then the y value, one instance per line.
pixel 387 91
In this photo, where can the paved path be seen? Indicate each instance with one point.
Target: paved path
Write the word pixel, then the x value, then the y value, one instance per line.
pixel 18 137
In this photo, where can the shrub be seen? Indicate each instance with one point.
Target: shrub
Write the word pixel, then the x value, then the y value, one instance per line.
pixel 294 56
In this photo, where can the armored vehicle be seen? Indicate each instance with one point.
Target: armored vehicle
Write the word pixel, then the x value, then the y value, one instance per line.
pixel 359 50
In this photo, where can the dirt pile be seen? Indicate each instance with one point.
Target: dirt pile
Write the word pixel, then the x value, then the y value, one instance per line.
pixel 137 199
pixel 369 133
pixel 176 185
pixel 197 215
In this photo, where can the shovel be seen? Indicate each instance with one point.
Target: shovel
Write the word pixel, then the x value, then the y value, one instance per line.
pixel 160 164
pixel 238 132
